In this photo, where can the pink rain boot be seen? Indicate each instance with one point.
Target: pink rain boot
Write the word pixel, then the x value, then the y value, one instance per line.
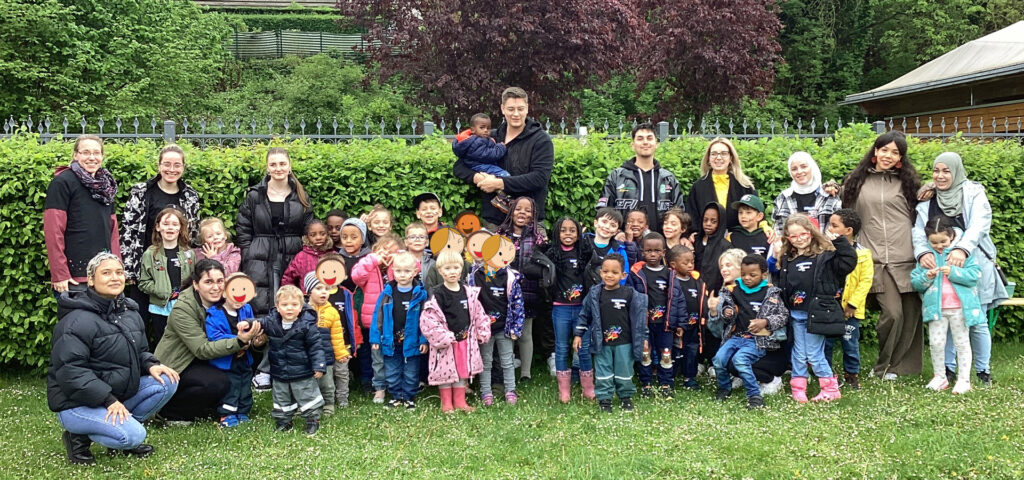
pixel 459 399
pixel 799 387
pixel 446 399
pixel 564 379
pixel 829 390
pixel 587 382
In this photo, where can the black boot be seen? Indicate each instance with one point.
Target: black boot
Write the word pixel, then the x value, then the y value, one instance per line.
pixel 140 451
pixel 77 447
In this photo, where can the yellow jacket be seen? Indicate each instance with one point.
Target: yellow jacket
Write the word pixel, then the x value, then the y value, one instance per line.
pixel 327 317
pixel 858 282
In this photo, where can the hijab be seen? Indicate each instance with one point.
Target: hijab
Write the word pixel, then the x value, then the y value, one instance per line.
pixel 951 200
pixel 815 182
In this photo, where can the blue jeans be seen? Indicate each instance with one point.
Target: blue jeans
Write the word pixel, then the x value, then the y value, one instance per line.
pixel 563 318
pixel 121 436
pixel 850 342
pixel 743 353
pixel 807 348
pixel 686 358
pixel 981 347
pixel 403 375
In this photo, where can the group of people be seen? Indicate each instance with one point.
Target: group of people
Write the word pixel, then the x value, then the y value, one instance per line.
pixel 165 313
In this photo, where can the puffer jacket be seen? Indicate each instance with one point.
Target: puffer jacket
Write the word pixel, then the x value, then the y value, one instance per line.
pixel 675 310
pixel 382 329
pixel 268 249
pixel 772 309
pixel 134 224
pixel 303 263
pixel 295 353
pixel 218 328
pixel 625 189
pixel 965 283
pixel 332 333
pixel 99 351
pixel 230 257
pixel 589 321
pixel 469 147
pixel 441 362
pixel 515 315
pixel 367 276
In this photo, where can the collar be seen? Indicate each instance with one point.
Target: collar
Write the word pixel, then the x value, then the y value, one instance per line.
pixel 748 291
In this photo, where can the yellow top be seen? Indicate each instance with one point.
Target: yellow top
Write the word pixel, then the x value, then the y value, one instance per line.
pixel 328 317
pixel 721 188
pixel 858 282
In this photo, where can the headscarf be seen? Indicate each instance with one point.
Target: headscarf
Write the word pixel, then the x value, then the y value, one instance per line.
pixel 815 182
pixel 951 200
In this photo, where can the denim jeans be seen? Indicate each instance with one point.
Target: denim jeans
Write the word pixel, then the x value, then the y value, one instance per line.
pixel 686 358
pixel 850 342
pixel 121 436
pixel 659 340
pixel 743 353
pixel 563 318
pixel 807 348
pixel 981 347
pixel 403 375
pixel 506 361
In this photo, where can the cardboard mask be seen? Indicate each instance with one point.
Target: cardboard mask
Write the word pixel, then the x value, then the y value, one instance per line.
pixel 475 244
pixel 447 238
pixel 239 288
pixel 330 270
pixel 467 222
pixel 499 251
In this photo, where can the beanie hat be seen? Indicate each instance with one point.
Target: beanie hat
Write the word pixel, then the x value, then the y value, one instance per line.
pixel 309 282
pixel 356 223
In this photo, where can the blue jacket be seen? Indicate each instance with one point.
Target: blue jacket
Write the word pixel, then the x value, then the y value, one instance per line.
pixel 965 283
pixel 675 310
pixel 515 317
pixel 480 150
pixel 382 328
pixel 295 353
pixel 217 328
pixel 592 277
pixel 589 321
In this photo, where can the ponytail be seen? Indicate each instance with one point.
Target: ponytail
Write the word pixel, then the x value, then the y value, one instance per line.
pixel 300 191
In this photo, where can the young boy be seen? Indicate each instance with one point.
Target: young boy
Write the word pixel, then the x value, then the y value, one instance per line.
pixel 428 210
pixel 330 269
pixel 353 247
pixel 846 223
pixel 688 335
pixel 606 227
pixel 749 313
pixel 296 360
pixel 222 322
pixel 395 331
pixel 333 220
pixel 636 225
pixel 416 244
pixel 666 311
pixel 615 317
pixel 478 151
pixel 748 236
pixel 332 333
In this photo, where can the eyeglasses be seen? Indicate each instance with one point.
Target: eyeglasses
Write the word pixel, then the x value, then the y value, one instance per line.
pixel 176 166
pixel 720 154
pixel 416 237
pixel 798 236
pixel 90 153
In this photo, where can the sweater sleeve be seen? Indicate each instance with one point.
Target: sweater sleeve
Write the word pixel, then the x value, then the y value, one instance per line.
pixel 361 270
pixel 542 157
pixel 134 229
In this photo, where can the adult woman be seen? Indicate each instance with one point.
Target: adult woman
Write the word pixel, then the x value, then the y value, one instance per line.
pixel 270 225
pixel 721 180
pixel 882 188
pixel 965 203
pixel 185 348
pixel 805 194
pixel 103 382
pixel 79 220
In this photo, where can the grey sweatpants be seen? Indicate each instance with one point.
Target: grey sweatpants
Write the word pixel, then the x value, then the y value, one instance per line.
pixel 302 396
pixel 341 376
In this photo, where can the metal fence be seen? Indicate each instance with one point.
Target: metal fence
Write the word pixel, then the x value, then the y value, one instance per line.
pixel 276 44
pixel 971 127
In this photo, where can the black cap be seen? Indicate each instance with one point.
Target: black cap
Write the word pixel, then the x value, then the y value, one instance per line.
pixel 418 199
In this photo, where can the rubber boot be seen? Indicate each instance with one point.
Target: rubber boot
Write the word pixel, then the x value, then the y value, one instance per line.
pixel 799 387
pixel 587 382
pixel 446 399
pixel 459 399
pixel 829 390
pixel 564 378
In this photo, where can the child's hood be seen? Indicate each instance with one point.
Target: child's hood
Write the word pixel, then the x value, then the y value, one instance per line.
pixel 719 231
pixel 364 251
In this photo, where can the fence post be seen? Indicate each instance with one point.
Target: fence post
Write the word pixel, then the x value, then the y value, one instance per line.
pixel 662 131
pixel 880 127
pixel 428 128
pixel 169 131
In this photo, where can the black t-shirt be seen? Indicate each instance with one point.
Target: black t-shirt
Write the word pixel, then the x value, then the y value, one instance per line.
pixel 754 243
pixel 593 274
pixel 800 281
pixel 455 306
pixel 493 296
pixel 349 263
pixel 747 305
pixel 232 319
pixel 615 326
pixel 400 305
pixel 337 298
pixel 276 213
pixel 657 293
pixel 158 201
pixel 173 267
pixel 805 202
pixel 569 281
pixel 691 291
pixel 935 210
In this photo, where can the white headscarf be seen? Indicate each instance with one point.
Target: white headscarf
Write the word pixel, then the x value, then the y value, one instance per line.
pixel 815 182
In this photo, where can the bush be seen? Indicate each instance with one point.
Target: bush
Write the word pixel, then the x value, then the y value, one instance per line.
pixel 355 175
pixel 306 22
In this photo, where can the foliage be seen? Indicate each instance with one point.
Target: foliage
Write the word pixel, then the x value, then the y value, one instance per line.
pixel 355 175
pixel 306 22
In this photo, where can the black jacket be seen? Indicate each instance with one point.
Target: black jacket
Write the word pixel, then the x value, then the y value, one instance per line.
pixel 529 159
pixel 268 249
pixel 297 352
pixel 99 351
pixel 830 271
pixel 625 190
pixel 703 192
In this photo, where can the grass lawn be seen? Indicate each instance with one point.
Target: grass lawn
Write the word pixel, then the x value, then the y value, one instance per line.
pixel 886 430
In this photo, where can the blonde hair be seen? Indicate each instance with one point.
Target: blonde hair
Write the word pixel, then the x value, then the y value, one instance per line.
pixel 818 243
pixel 207 223
pixel 85 137
pixel 734 255
pixel 378 208
pixel 735 166
pixel 172 148
pixel 288 291
pixel 449 257
pixel 413 225
pixel 389 238
pixel 404 259
pixel 184 241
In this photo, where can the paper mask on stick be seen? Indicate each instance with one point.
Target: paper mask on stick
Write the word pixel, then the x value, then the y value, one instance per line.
pixel 330 271
pixel 239 289
pixel 499 251
pixel 475 244
pixel 467 222
pixel 447 238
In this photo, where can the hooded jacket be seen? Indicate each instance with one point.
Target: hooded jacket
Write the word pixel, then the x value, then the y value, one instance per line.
pixel 471 148
pixel 441 362
pixel 628 188
pixel 185 340
pixel 382 329
pixel 706 256
pixel 298 352
pixel 218 328
pixel 304 262
pixel 589 321
pixel 675 308
pixel 965 283
pixel 515 314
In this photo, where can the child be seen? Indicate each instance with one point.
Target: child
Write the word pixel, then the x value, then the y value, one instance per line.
pixel 478 151
pixel 748 236
pixel 674 224
pixel 428 210
pixel 708 245
pixel 416 244
pixel 445 238
pixel 165 265
pixel 353 248
pixel 330 270
pixel 846 223
pixel 475 246
pixel 334 219
pixel 378 220
pixel 950 298
pixel 636 225
pixel 216 245
pixel 729 263
pixel 615 317
pixel 371 274
pixel 666 311
pixel 603 242
pixel 315 244
pixel 689 334
pixel 332 335
pixel 455 325
pixel 296 360
pixel 811 272
pixel 395 331
pixel 749 313
pixel 569 255
pixel 222 322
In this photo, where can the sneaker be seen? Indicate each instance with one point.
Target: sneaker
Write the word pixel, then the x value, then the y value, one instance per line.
pixel 378 396
pixel 773 387
pixel 938 383
pixel 242 418
pixel 551 364
pixel 712 373
pixel 394 403
pixel 962 387
pixel 985 378
pixel 284 426
pixel 737 382
pixel 328 410
pixel 341 404
pixel 889 377
pixel 501 201
pixel 229 421
pixel 691 383
pixel 756 401
pixel 261 382
pixel 950 376
pixel 701 369
pixel 722 394
pixel 666 392
pixel 488 399
pixel 606 405
pixel 312 426
pixel 851 380
pixel 410 405
pixel 511 398
pixel 627 404
pixel 525 379
pixel 647 391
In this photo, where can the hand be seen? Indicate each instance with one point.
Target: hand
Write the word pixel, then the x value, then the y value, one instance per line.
pixel 365 217
pixel 620 237
pixel 772 235
pixel 692 238
pixel 757 324
pixel 576 342
pixel 116 414
pixel 927 261
pixel 156 370
pixel 628 235
pixel 727 312
pixel 386 258
pixel 849 311
pixel 491 184
pixel 375 346
pixel 479 177
pixel 260 340
pixel 679 331
pixel 687 241
pixel 829 235
pixel 831 187
pixel 248 330
pixel 932 273
pixel 777 248
pixel 423 349
pixel 944 269
pixel 346 359
pixel 208 250
pixel 514 337
pixel 317 375
pixel 713 301
pixel 956 258
pixel 926 192
pixel 63 286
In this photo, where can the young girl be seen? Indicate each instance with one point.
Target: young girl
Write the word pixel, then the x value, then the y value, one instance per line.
pixel 315 244
pixel 708 245
pixel 454 323
pixel 216 245
pixel 527 233
pixel 165 264
pixel 502 298
pixel 370 275
pixel 812 271
pixel 569 256
pixel 674 224
pixel 950 300
pixel 378 221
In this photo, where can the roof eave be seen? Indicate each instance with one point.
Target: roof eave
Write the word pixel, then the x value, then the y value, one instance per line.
pixel 921 87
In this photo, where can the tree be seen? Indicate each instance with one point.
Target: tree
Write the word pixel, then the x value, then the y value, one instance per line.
pixel 465 53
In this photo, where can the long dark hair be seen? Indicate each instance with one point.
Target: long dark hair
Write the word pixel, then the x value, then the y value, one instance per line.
pixel 532 229
pixel 910 181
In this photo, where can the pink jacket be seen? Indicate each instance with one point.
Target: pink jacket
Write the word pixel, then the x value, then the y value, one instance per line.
pixel 230 257
pixel 303 263
pixel 441 366
pixel 366 275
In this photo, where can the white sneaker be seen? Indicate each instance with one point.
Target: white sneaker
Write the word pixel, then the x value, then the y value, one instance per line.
pixel 772 387
pixel 737 383
pixel 962 387
pixel 551 364
pixel 939 383
pixel 889 377
pixel 261 382
pixel 701 369
pixel 712 373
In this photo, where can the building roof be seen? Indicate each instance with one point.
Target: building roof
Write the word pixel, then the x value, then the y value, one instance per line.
pixel 994 55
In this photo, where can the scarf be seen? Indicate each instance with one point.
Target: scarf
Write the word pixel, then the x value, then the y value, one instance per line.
pixel 815 182
pixel 103 187
pixel 756 288
pixel 951 200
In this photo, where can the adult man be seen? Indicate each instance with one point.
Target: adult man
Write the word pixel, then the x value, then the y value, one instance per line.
pixel 528 159
pixel 641 182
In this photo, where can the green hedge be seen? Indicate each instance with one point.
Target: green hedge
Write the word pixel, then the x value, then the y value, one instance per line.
pixel 306 22
pixel 355 175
